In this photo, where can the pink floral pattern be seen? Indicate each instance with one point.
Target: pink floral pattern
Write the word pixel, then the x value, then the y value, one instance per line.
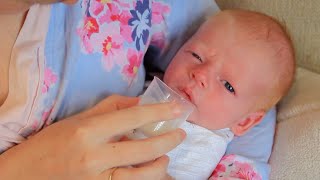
pixel 45 116
pixel 109 43
pixel 37 124
pixel 244 171
pixel 158 10
pixel 135 59
pixel 49 79
pixel 118 30
pixel 158 39
pixel 233 166
pixel 98 6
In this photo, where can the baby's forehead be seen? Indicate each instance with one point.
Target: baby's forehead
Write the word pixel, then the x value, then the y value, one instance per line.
pixel 249 70
pixel 242 30
pixel 251 24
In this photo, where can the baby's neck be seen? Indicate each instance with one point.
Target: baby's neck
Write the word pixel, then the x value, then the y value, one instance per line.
pixel 10 28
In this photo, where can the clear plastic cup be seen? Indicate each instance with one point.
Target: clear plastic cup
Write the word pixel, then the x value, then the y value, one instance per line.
pixel 159 92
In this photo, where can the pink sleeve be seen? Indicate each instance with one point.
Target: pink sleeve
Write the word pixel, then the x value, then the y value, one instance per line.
pixel 27 58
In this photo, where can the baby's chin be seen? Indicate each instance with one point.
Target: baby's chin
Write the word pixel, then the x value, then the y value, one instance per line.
pixel 192 118
pixel 198 124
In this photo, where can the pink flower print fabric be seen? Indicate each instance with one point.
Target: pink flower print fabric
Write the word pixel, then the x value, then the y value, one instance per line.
pixel 158 9
pixel 135 59
pixel 41 115
pixel 233 166
pixel 49 79
pixel 110 44
pixel 159 40
pixel 120 32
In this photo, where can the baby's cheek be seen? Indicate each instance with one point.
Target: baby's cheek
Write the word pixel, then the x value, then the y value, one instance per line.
pixel 167 76
pixel 212 114
pixel 172 72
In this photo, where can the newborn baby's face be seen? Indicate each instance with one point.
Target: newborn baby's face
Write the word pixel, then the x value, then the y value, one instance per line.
pixel 221 73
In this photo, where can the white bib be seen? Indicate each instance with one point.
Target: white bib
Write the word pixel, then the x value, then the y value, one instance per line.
pixel 199 153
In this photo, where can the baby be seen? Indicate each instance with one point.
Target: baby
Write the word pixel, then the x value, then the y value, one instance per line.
pixel 235 67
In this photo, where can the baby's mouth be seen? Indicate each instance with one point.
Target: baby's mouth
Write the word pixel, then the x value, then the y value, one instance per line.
pixel 187 94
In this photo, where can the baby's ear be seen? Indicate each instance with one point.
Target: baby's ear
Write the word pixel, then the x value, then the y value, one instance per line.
pixel 247 123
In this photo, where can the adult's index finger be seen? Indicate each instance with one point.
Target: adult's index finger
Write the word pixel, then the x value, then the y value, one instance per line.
pixel 114 123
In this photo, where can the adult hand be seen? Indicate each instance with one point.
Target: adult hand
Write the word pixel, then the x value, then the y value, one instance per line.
pixel 84 146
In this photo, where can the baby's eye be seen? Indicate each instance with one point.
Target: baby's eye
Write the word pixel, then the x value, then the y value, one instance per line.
pixel 228 86
pixel 196 56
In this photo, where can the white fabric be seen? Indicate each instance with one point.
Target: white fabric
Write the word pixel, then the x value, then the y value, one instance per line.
pixel 199 154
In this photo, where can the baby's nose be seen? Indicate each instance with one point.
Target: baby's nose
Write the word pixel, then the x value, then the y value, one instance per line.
pixel 200 78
